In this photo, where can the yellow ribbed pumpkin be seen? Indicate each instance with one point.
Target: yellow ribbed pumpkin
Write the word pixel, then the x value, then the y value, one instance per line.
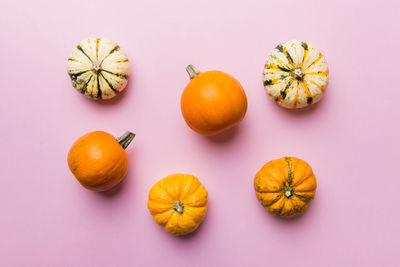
pixel 178 203
pixel 285 186
pixel 295 74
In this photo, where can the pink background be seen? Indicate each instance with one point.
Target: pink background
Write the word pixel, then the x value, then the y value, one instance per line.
pixel 351 138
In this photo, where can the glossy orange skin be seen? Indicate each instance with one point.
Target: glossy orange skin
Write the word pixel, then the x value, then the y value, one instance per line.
pixel 212 102
pixel 98 161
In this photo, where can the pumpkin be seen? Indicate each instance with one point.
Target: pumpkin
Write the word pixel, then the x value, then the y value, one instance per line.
pixel 98 160
pixel 212 102
pixel 178 203
pixel 98 68
pixel 285 186
pixel 295 74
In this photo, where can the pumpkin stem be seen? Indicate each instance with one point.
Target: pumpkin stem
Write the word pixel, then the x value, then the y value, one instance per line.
pixel 288 191
pixel 125 139
pixel 192 71
pixel 96 67
pixel 298 74
pixel 178 207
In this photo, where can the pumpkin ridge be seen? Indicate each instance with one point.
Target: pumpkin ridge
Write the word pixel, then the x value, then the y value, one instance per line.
pixel 119 75
pixel 315 61
pixel 189 213
pixel 186 202
pixel 305 46
pixel 275 199
pixel 283 92
pixel 168 214
pixel 75 60
pixel 318 86
pixel 116 48
pixel 288 56
pixel 296 97
pixel 289 178
pixel 79 47
pixel 304 196
pixel 276 207
pixel 187 193
pixel 302 180
pixel 306 89
pixel 97 49
pixel 75 75
pixel 99 93
pixel 318 73
pixel 276 67
pixel 109 84
pixel 284 69
pixel 84 87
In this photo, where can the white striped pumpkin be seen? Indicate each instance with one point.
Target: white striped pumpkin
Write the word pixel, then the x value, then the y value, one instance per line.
pixel 98 68
pixel 295 74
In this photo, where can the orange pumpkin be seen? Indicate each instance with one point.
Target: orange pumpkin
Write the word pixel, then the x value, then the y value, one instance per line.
pixel 98 160
pixel 285 186
pixel 178 203
pixel 212 102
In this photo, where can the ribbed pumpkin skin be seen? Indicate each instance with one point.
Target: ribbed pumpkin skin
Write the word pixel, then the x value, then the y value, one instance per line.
pixel 98 161
pixel 212 102
pixel 288 61
pixel 98 68
pixel 285 186
pixel 189 191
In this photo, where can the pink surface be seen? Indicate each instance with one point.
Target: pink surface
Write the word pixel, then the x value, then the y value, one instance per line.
pixel 351 138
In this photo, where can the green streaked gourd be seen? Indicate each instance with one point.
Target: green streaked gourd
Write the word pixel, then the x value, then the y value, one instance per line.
pixel 295 74
pixel 98 68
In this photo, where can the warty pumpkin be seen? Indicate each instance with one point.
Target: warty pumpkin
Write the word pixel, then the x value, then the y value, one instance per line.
pixel 98 68
pixel 285 186
pixel 178 203
pixel 98 160
pixel 212 102
pixel 296 74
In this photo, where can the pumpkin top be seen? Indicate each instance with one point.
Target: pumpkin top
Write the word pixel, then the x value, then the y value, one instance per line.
pixel 98 68
pixel 178 202
pixel 295 74
pixel 285 186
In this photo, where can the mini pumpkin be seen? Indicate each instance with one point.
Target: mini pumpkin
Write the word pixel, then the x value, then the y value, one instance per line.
pixel 178 203
pixel 285 186
pixel 296 74
pixel 98 160
pixel 98 68
pixel 212 102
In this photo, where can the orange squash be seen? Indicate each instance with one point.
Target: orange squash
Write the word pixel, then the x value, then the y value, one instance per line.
pixel 212 102
pixel 178 202
pixel 285 186
pixel 98 160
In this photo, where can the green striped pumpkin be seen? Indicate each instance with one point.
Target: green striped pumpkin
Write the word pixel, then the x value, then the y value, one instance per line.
pixel 98 68
pixel 295 74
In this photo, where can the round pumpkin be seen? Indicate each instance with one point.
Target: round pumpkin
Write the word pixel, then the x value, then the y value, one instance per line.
pixel 212 102
pixel 98 160
pixel 296 74
pixel 98 68
pixel 178 203
pixel 285 186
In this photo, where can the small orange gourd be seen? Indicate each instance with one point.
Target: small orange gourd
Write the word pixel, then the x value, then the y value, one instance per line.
pixel 212 102
pixel 285 186
pixel 178 203
pixel 98 160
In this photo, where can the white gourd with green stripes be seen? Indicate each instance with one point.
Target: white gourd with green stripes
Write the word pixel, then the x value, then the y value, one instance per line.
pixel 296 74
pixel 98 68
